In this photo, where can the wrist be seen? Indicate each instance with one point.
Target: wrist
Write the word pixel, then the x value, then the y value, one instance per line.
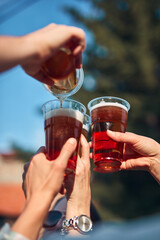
pixel 81 224
pixel 30 52
pixel 34 214
pixel 41 201
pixel 78 208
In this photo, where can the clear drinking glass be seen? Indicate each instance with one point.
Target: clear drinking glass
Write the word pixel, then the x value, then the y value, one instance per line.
pixel 64 78
pixel 68 86
pixel 60 124
pixel 107 113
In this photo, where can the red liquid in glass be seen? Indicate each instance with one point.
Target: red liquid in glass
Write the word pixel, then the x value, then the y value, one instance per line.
pixel 107 153
pixel 58 129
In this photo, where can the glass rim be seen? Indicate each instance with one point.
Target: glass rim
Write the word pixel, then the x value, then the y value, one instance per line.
pixel 87 115
pixel 127 105
pixel 79 71
pixel 65 100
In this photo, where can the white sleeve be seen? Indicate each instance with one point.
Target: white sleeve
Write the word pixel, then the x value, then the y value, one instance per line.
pixel 7 234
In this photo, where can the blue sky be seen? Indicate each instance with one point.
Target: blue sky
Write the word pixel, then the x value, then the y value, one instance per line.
pixel 20 95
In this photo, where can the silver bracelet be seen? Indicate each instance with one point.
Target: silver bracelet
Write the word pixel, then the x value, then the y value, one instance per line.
pixel 83 224
pixel 7 234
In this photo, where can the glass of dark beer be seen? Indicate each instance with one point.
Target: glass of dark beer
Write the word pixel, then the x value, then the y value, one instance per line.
pixel 107 113
pixel 65 78
pixel 60 124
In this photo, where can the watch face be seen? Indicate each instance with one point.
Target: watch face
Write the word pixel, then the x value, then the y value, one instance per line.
pixel 84 223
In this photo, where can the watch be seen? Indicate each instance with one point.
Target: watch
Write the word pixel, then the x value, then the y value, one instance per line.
pixel 82 223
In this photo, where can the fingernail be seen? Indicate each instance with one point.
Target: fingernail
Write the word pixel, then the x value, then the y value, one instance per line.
pixel 72 141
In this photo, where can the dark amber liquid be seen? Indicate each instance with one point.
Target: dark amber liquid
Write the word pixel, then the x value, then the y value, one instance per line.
pixel 60 69
pixel 107 153
pixel 58 129
pixel 65 85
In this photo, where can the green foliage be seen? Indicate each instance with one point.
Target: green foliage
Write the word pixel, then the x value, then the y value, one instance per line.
pixel 124 59
pixel 22 154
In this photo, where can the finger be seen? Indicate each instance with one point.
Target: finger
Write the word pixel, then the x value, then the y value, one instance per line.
pixel 127 137
pixel 91 155
pixel 91 144
pixel 78 51
pixel 78 61
pixel 84 147
pixel 77 43
pixel 135 164
pixel 62 190
pixel 67 151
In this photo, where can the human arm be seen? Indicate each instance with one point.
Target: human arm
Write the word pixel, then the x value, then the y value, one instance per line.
pixel 32 50
pixel 140 153
pixel 78 186
pixel 43 181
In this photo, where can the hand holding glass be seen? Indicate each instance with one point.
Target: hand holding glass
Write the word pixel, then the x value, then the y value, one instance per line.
pixel 62 124
pixel 107 113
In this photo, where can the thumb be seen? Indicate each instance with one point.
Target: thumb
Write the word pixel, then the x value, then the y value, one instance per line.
pixel 67 151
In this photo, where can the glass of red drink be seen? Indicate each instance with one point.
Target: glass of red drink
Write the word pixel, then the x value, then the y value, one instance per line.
pixel 107 113
pixel 62 123
pixel 65 78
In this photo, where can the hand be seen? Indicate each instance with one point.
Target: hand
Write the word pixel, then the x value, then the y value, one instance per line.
pixel 78 185
pixel 42 183
pixel 47 176
pixel 45 42
pixel 140 153
pixel 32 50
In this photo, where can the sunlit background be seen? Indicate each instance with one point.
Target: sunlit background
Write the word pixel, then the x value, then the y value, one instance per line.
pixel 21 97
pixel 122 59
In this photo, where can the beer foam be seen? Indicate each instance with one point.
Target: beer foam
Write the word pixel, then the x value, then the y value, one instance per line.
pixel 65 112
pixel 112 104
